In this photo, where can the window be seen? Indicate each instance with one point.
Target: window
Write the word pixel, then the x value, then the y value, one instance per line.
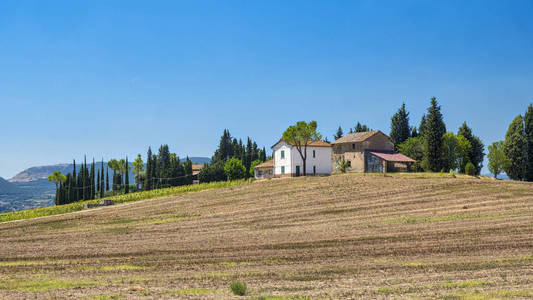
pixel 282 154
pixel 314 154
pixel 314 170
pixel 349 163
pixel 282 167
pixel 353 146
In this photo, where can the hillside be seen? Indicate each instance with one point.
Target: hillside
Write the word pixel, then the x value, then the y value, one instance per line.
pixel 7 187
pixel 346 236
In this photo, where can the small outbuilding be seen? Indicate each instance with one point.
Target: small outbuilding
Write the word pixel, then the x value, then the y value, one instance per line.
pixel 264 170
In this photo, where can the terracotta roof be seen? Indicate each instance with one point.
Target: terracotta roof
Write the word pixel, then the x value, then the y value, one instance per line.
pixel 318 143
pixel 357 137
pixel 197 167
pixel 393 157
pixel 266 165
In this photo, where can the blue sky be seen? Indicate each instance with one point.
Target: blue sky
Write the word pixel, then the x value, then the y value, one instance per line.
pixel 109 78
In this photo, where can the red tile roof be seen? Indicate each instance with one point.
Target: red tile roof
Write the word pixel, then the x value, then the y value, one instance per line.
pixel 266 165
pixel 393 157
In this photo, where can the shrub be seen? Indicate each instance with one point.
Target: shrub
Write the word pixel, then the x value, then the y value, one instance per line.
pixel 341 165
pixel 470 169
pixel 238 288
pixel 234 169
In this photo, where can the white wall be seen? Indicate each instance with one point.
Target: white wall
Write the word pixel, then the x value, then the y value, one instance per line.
pixel 322 159
pixel 278 161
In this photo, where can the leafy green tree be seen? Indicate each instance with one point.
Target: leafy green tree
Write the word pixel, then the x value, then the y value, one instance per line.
pixel 414 148
pixel 338 134
pixel 254 163
pixel 300 135
pixel 57 178
pixel 515 147
pixel 399 128
pixel 528 132
pixel 449 151
pixel 234 169
pixel 476 154
pixel 434 130
pixel 470 169
pixel 497 159
pixel 212 172
pixel 463 153
pixel 138 168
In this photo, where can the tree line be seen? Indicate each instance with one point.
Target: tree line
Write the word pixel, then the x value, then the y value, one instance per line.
pixel 232 159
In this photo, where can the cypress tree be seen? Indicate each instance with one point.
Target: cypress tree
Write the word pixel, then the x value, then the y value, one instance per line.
pixel 74 189
pixel 107 178
pixel 127 180
pixel 515 147
pixel 102 184
pixel 338 134
pixel 155 172
pixel 399 128
pixel 477 153
pixel 92 183
pixel 528 131
pixel 263 155
pixel 434 130
pixel 98 183
pixel 148 178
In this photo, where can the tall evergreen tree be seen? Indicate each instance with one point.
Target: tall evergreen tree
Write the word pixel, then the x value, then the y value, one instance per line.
pixel 338 134
pixel 148 179
pixel 361 128
pixel 399 128
pixel 528 131
pixel 414 132
pixel 434 130
pixel 102 184
pixel 107 178
pixel 74 184
pixel 263 157
pixel 515 147
pixel 92 182
pixel 477 153
pixel 127 180
pixel 97 183
pixel 422 126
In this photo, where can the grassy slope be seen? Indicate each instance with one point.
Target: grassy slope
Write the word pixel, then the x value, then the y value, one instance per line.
pixel 331 237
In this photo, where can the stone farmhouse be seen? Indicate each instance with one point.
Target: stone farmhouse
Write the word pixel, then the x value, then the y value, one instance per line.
pixel 371 151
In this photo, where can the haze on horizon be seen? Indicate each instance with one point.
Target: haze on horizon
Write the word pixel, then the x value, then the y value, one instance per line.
pixel 108 79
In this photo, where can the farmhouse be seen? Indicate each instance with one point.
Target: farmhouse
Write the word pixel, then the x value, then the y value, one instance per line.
pixel 371 151
pixel 287 161
pixel 196 168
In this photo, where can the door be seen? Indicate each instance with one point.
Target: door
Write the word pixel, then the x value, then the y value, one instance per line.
pixel 297 171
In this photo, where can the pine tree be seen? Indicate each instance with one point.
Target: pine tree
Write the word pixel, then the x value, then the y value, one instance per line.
pixel 399 128
pixel 338 134
pixel 477 153
pixel 422 126
pixel 127 179
pixel 434 130
pixel 263 157
pixel 528 131
pixel 515 147
pixel 414 132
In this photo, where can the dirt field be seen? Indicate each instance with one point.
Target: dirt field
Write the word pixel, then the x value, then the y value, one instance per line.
pixel 346 236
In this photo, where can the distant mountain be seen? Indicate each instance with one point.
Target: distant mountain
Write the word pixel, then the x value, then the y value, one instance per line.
pixel 198 160
pixel 7 187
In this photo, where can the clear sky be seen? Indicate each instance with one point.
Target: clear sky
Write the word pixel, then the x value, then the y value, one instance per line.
pixel 109 78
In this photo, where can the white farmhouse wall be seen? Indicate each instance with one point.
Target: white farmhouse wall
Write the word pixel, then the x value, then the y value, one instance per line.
pixel 282 162
pixel 322 160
